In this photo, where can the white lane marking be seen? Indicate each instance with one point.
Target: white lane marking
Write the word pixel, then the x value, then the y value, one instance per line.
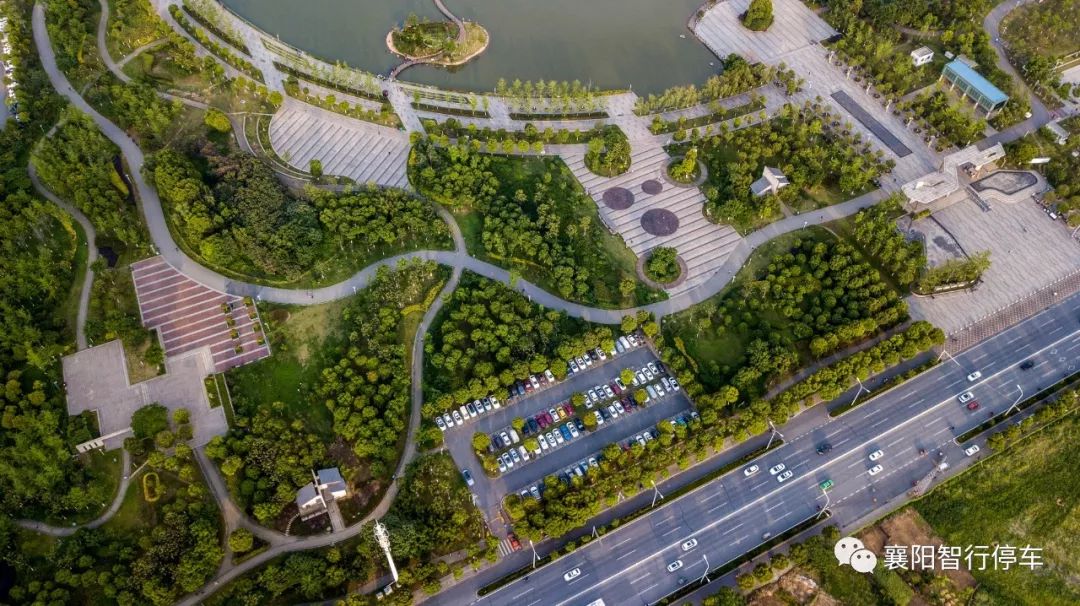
pixel 534 602
pixel 1011 341
pixel 859 462
pixel 873 425
pixel 897 441
pixel 906 449
pixel 977 358
pixel 626 540
pixel 676 529
pixel 526 592
pixel 733 528
pixel 742 538
pixel 640 578
pixel 942 430
pixel 759 499
pixel 626 554
pixel 768 509
pixel 649 587
pixel 785 515
pixel 760 485
pixel 712 496
pixel 717 507
pixel 841 441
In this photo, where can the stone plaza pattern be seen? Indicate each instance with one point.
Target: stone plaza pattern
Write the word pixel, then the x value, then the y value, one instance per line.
pixel 188 315
pixel 361 151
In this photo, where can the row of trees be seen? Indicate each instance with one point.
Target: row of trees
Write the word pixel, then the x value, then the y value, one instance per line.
pixel 452 129
pixel 224 53
pixel 876 232
pixel 488 336
pixel 875 52
pixel 549 97
pixel 800 142
pixel 626 471
pixel 955 125
pixel 738 76
pixel 955 272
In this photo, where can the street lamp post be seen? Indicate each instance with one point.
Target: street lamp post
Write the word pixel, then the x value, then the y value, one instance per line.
pixel 775 432
pixel 945 352
pixel 705 575
pixel 1017 402
pixel 826 506
pixel 656 493
pixel 535 557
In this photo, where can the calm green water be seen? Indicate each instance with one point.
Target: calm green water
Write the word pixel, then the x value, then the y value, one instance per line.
pixel 611 43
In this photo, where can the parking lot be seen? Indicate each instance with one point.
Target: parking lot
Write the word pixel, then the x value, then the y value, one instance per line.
pixel 555 459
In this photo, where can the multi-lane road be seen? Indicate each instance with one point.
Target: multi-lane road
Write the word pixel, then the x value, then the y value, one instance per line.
pixel 729 516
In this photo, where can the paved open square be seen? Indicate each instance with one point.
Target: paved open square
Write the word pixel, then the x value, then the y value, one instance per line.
pixel 188 315
pixel 794 27
pixel 1028 250
pixel 96 379
pixel 361 151
pixel 660 214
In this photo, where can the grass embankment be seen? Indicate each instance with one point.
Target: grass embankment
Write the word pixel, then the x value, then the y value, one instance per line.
pixel 1027 495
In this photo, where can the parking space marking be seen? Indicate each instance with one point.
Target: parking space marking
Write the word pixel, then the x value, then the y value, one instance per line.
pixel 626 554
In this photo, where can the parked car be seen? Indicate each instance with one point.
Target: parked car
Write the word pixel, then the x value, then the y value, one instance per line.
pixel 599 417
pixel 600 354
pixel 487 404
pixel 556 437
pixel 605 414
pixel 652 392
pixel 471 407
pixel 659 389
pixel 625 343
pixel 648 373
pixel 633 339
pixel 457 418
pixel 573 366
pixel 652 368
pixel 579 424
pixel 608 391
pixel 464 412
pixel 619 347
pixel 501 464
pixel 674 384
pixel 495 403
pixel 508 459
pixel 549 375
pixel 468 477
pixel 535 492
pixel 524 453
pixel 614 412
pixel 565 431
pixel 514 438
pixel 542 441
pixel 534 381
pixel 440 423
pixel 593 463
pixel 667 384
pixel 449 420
pixel 639 378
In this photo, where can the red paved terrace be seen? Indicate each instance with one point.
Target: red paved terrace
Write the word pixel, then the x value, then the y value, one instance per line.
pixel 188 315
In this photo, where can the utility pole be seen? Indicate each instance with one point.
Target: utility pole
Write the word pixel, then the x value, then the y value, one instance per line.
pixel 775 432
pixel 656 493
pixel 1017 402
pixel 383 539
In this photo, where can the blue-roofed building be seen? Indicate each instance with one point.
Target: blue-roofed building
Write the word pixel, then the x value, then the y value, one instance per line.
pixel 974 86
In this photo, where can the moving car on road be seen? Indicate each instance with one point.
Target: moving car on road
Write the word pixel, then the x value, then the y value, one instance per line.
pixel 965 397
pixel 876 469
pixel 787 474
pixel 689 544
pixel 877 454
pixel 975 376
pixel 973 405
pixel 775 469
pixel 749 471
pixel 672 567
pixel 824 448
pixel 468 477
pixel 570 575
pixel 827 484
pixel 971 450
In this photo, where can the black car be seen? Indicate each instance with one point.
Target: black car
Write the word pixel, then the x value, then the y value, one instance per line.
pixel 824 448
pixel 580 424
pixel 533 425
pixel 1027 365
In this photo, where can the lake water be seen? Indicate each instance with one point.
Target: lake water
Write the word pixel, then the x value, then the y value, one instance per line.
pixel 643 44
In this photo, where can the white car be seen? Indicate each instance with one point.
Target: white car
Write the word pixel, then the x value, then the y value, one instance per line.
pixel 570 575
pixel 448 419
pixel 515 439
pixel 608 391
pixel 659 390
pixel 970 450
pixel 549 376
pixel 495 403
pixel 638 379
pixel 689 544
pixel 535 382
pixel 440 423
pixel 775 469
pixel 749 471
pixel 674 384
pixel 524 453
pixel 502 465
pixel 877 454
pixel 787 474
pixel 590 396
pixel 876 469
pixel 965 397
pixel 600 353
pixel 573 366
pixel 613 411
pixel 514 456
pixel 652 368
pixel 559 439
pixel 457 418
pixel 975 376
pixel 648 373
pixel 573 430
pixel 599 417
pixel 672 567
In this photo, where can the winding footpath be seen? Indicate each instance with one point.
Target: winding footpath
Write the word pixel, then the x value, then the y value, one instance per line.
pixel 118 500
pixel 458 260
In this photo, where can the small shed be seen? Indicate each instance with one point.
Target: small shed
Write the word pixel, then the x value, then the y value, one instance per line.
pixel 922 56
pixel 771 181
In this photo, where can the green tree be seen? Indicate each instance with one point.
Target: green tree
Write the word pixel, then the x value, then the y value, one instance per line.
pixel 217 120
pixel 626 375
pixel 241 540
pixel 481 441
pixel 148 421
pixel 759 15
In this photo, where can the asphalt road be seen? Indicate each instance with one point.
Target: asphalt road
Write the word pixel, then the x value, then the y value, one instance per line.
pixel 729 516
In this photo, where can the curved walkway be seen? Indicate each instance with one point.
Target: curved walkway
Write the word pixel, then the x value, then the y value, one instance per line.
pixel 457 21
pixel 91 255
pixel 118 500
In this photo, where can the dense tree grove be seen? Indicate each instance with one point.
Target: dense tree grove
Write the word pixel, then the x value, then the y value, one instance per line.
pixel 535 219
pixel 367 390
pixel 269 453
pixel 876 232
pixel 266 456
pixel 815 297
pixel 487 336
pixel 1038 36
pixel 799 142
pixel 77 164
pixel 609 152
pixel 957 25
pixel 372 217
pixel 738 76
pixel 432 515
pixel 242 215
pixel 876 52
pixel 172 553
pixel 1062 172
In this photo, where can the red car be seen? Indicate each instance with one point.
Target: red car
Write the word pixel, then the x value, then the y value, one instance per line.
pixel 973 405
pixel 514 542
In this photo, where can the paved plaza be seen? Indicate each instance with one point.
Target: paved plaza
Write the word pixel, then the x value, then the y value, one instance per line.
pixel 96 379
pixel 794 27
pixel 624 201
pixel 1028 250
pixel 188 316
pixel 362 151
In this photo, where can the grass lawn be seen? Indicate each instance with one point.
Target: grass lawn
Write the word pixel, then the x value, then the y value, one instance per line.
pixel 301 338
pixel 1025 496
pixel 104 469
pixel 114 313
